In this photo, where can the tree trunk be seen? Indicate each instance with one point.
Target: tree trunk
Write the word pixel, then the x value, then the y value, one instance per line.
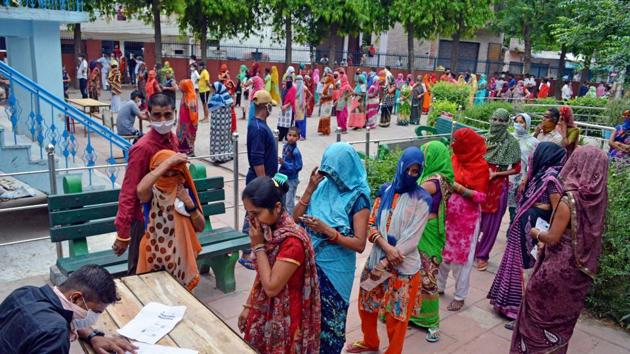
pixel 455 51
pixel 410 52
pixel 332 50
pixel 288 47
pixel 157 27
pixel 563 56
pixel 527 54
pixel 78 49
pixel 586 69
pixel 203 42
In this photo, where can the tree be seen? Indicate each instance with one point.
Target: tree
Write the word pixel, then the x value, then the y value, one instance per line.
pixel 588 26
pixel 420 21
pixel 151 12
pixel 461 19
pixel 287 16
pixel 340 17
pixel 219 19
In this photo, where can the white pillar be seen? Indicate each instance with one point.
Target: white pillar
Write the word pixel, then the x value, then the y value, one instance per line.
pixel 345 47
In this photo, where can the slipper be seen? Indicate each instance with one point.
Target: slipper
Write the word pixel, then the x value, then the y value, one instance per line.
pixel 510 325
pixel 455 305
pixel 433 335
pixel 247 263
pixel 359 347
pixel 482 265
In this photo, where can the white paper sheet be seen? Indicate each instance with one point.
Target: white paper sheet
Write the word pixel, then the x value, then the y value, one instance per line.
pixel 144 348
pixel 153 322
pixel 542 225
pixel 369 284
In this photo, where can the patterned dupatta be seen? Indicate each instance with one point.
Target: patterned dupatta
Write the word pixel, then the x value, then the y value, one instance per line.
pixel 268 329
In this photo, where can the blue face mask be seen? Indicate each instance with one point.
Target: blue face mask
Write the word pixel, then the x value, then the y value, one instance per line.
pixel 520 130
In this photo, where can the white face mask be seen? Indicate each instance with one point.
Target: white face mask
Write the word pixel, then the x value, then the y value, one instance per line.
pixel 90 320
pixel 163 127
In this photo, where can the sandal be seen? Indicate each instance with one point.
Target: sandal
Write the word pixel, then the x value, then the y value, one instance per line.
pixel 455 305
pixel 510 325
pixel 247 263
pixel 359 347
pixel 433 335
pixel 482 265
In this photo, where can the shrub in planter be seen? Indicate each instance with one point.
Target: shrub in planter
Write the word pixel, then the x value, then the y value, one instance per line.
pixel 437 107
pixel 382 170
pixel 610 296
pixel 484 111
pixel 614 110
pixel 588 101
pixel 446 91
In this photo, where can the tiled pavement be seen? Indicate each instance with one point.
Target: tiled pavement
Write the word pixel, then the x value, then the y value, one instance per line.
pixel 475 329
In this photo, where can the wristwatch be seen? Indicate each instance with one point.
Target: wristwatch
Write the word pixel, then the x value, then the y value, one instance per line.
pixel 95 333
pixel 191 209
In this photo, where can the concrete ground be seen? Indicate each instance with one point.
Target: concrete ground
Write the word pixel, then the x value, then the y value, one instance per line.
pixel 475 329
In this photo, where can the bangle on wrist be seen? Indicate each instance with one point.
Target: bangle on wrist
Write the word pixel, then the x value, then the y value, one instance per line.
pixel 335 237
pixel 118 238
pixel 258 245
pixel 303 202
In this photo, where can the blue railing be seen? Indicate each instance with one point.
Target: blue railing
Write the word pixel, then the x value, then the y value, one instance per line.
pixel 41 125
pixel 59 5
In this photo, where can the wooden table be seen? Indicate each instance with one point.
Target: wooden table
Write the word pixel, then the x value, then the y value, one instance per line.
pixel 200 329
pixel 86 105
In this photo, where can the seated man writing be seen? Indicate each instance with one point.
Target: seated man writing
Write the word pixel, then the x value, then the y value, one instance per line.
pixel 47 319
pixel 127 115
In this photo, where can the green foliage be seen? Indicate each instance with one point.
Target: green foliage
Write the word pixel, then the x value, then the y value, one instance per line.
pixel 588 101
pixel 218 19
pixel 484 111
pixel 614 110
pixel 464 17
pixel 446 91
pixel 382 171
pixel 611 289
pixel 437 107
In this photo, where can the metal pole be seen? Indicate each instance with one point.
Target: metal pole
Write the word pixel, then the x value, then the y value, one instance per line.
pixel 50 150
pixel 367 147
pixel 236 191
pixel 338 133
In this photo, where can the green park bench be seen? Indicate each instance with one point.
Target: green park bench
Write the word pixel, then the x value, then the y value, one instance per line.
pixel 386 149
pixel 77 215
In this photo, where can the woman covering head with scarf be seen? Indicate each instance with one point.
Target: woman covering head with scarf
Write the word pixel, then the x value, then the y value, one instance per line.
pixel 568 261
pixel 404 105
pixel 417 98
pixel 301 93
pixel 309 84
pixel 398 218
pixel 170 242
pixel 357 104
pixel 224 74
pixel 437 180
pixel 519 92
pixel 326 105
pixel 389 98
pixel 188 118
pixel 115 84
pixel 463 212
pixel 220 106
pixel 541 196
pixel 318 85
pixel 240 95
pixel 504 159
pixel 152 87
pixel 335 209
pixel 289 74
pixel 282 312
pixel 482 86
pixel 231 87
pixel 546 130
pixel 527 143
pixel 400 80
pixel 474 86
pixel 275 84
pixel 373 101
pixel 285 121
pixel 345 91
pixel 94 80
pixel 568 130
pixel 619 141
pixel 166 69
pixel 428 84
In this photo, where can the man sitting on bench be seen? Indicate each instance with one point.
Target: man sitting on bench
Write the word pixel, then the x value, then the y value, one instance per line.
pixel 129 218
pixel 127 116
pixel 46 320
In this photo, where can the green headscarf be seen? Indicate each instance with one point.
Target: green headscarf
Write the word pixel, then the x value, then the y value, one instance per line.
pixel 243 74
pixel 502 148
pixel 437 161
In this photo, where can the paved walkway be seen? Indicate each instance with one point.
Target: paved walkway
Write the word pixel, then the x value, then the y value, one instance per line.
pixel 475 329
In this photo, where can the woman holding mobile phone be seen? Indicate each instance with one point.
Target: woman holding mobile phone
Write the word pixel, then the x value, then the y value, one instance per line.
pixel 337 204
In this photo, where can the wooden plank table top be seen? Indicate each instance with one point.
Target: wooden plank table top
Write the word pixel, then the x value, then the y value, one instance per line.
pixel 200 329
pixel 87 102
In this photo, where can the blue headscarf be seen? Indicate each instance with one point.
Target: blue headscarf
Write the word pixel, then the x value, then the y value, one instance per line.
pixel 403 182
pixel 221 97
pixel 332 203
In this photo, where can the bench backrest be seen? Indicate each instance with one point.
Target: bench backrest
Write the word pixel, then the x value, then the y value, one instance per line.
pixel 445 126
pixel 74 217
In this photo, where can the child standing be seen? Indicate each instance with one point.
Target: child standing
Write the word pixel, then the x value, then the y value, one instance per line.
pixel 291 165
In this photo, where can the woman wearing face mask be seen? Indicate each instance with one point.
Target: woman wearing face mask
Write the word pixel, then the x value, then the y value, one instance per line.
pixel 546 130
pixel 170 242
pixel 568 129
pixel 220 106
pixel 326 105
pixel 188 118
pixel 504 159
pixel 398 218
pixel 335 208
pixel 285 295
pixel 527 143
pixel 541 196
pixel 285 121
pixel 619 141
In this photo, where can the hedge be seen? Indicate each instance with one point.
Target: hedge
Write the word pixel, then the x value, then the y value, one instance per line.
pixel 446 91
pixel 437 107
